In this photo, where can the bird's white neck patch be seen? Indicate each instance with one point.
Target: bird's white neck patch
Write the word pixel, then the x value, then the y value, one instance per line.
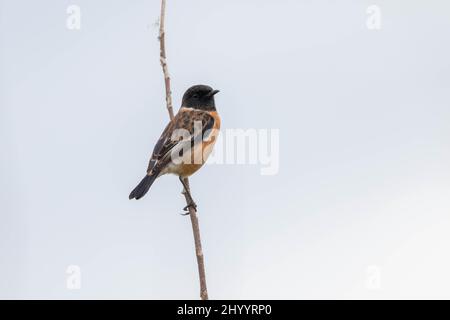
pixel 186 109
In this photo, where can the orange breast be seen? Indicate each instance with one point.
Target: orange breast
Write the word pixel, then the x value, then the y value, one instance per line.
pixel 201 153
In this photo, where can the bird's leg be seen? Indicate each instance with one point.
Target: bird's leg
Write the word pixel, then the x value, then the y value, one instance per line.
pixel 191 203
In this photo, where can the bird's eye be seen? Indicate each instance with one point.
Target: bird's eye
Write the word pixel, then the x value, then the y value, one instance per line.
pixel 195 96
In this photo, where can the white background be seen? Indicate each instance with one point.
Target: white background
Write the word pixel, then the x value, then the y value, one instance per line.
pixel 364 175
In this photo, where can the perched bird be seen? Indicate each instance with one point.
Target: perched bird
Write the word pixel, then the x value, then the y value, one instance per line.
pixel 186 142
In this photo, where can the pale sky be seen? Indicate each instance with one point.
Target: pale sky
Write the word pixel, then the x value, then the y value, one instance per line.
pixel 360 207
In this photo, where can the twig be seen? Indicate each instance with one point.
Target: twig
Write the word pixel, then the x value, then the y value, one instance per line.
pixel 198 246
pixel 163 59
pixel 192 211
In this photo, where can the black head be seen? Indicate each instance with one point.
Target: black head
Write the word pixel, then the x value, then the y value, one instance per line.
pixel 200 97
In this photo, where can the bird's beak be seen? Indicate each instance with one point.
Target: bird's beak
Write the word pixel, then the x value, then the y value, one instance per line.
pixel 213 92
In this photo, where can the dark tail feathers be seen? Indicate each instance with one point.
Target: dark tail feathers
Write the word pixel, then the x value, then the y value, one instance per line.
pixel 142 187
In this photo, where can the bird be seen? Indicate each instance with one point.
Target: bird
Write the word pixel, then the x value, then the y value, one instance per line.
pixel 186 141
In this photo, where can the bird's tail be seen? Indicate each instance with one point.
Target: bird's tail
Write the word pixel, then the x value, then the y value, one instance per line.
pixel 143 186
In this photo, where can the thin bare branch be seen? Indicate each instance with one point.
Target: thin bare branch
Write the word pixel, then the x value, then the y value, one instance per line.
pixel 192 211
pixel 163 58
pixel 198 246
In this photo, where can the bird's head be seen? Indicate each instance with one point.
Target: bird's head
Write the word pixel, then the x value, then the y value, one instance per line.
pixel 200 97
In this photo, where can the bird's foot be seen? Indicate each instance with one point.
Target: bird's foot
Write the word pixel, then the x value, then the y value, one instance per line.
pixel 190 205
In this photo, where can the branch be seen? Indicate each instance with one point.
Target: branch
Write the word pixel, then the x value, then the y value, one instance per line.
pixel 163 60
pixel 192 211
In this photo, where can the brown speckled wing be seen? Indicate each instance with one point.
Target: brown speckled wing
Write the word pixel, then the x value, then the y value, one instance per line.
pixel 185 119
